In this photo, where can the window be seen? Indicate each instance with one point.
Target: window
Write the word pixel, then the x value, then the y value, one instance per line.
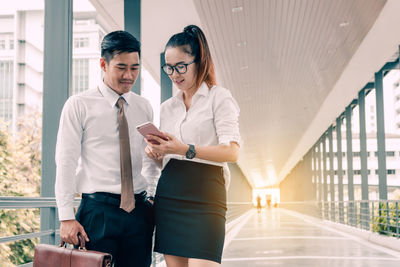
pixel 356 154
pixel 358 172
pixel 81 42
pixel 343 154
pixel 6 89
pixel 390 153
pixel 11 44
pixel 391 171
pixel 2 44
pixel 80 78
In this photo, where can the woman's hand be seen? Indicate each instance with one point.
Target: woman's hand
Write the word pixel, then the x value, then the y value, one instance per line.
pixel 170 146
pixel 152 154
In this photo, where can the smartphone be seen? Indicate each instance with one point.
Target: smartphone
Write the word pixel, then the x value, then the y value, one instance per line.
pixel 149 128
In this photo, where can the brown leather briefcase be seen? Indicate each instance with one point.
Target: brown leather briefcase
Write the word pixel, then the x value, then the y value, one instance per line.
pixel 60 256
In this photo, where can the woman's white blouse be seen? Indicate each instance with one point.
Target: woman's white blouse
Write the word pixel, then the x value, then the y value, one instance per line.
pixel 211 120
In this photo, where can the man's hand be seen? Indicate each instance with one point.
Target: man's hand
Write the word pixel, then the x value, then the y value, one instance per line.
pixel 69 230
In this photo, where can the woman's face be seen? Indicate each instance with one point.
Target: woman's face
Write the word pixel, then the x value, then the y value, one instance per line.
pixel 175 57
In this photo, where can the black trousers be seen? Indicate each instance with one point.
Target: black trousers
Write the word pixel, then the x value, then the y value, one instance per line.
pixel 126 236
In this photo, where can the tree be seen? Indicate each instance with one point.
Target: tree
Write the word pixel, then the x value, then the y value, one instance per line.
pixel 20 170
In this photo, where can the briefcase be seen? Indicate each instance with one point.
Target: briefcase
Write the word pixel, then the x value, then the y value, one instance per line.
pixel 61 256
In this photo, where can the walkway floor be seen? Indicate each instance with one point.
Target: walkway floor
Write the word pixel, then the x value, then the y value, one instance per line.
pixel 278 237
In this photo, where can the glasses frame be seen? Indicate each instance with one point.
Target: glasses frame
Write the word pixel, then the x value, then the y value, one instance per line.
pixel 174 68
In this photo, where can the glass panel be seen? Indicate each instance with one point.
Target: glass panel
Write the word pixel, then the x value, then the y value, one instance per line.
pixel 21 94
pixel 151 90
pixel 391 96
pixel 355 127
pixel 370 122
pixel 344 161
pixel 88 32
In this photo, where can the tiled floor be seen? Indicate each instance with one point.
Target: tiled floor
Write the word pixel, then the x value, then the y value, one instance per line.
pixel 277 237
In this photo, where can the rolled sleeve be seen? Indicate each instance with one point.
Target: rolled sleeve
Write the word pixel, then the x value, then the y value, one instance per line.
pixel 226 117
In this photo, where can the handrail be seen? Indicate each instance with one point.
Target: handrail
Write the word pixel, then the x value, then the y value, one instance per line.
pixel 50 202
pixel 30 202
pixel 381 216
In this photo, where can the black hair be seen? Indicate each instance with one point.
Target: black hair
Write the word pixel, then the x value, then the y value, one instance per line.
pixel 118 42
pixel 193 42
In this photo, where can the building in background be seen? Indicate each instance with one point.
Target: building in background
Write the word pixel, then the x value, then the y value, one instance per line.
pixel 21 60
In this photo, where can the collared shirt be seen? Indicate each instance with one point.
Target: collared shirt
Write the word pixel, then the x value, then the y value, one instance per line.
pixel 211 120
pixel 87 151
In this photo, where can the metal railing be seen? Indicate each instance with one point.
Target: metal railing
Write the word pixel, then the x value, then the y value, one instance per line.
pixel 235 209
pixel 381 216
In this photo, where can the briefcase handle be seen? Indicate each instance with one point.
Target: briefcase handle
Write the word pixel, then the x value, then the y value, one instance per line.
pixel 82 243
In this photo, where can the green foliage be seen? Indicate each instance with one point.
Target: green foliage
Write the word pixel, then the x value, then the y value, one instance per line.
pixel 20 170
pixel 387 220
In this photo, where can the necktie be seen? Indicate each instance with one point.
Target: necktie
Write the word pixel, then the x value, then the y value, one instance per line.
pixel 127 195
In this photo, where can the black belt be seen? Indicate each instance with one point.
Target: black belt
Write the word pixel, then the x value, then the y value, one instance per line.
pixel 113 199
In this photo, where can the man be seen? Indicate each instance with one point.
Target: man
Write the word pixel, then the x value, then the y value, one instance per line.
pixel 99 153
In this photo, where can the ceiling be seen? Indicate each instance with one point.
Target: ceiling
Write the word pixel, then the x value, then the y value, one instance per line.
pixel 292 65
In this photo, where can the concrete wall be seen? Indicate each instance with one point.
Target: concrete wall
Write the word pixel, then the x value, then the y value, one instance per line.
pixel 239 189
pixel 298 185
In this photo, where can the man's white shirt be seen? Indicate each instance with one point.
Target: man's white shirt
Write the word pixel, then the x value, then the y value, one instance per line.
pixel 87 151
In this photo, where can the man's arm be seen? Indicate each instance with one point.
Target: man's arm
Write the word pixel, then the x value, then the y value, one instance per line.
pixel 68 151
pixel 150 169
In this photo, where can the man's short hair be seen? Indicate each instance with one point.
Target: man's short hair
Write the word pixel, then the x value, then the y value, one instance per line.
pixel 118 42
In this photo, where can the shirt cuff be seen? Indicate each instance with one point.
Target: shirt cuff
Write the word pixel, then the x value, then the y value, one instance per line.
pixel 227 139
pixel 65 214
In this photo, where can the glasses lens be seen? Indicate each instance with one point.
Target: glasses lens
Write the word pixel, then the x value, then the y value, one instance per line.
pixel 181 68
pixel 167 69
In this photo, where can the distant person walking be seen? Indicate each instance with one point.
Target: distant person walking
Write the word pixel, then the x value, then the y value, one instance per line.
pixel 258 203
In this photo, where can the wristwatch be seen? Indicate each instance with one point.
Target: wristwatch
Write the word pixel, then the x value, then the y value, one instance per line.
pixel 191 153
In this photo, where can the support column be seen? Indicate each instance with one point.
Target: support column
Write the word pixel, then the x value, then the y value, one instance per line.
pixel 325 175
pixel 331 175
pixel 380 123
pixel 321 174
pixel 132 21
pixel 314 172
pixel 165 81
pixel 351 217
pixel 56 85
pixel 340 166
pixel 364 207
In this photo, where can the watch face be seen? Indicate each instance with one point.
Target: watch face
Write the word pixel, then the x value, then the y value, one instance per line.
pixel 191 153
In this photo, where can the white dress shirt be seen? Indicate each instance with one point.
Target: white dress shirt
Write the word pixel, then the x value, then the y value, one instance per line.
pixel 211 120
pixel 87 151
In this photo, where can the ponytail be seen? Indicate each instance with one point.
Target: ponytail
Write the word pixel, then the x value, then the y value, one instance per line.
pixel 193 37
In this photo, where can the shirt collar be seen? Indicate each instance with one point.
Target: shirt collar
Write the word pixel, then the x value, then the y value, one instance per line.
pixel 111 96
pixel 202 91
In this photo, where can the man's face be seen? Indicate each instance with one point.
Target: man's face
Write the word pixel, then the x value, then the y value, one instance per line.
pixel 121 72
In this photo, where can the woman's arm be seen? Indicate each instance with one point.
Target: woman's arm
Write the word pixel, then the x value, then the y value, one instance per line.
pixel 218 153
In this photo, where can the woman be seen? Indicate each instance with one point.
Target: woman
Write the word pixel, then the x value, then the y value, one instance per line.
pixel 201 125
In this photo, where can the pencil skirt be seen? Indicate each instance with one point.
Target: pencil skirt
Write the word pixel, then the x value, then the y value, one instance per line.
pixel 190 209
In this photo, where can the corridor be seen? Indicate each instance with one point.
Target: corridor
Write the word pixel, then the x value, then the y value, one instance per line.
pixel 279 237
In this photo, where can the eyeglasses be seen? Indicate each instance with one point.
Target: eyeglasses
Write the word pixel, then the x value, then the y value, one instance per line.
pixel 181 68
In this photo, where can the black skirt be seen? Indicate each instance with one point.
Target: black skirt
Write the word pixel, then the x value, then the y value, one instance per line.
pixel 190 208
